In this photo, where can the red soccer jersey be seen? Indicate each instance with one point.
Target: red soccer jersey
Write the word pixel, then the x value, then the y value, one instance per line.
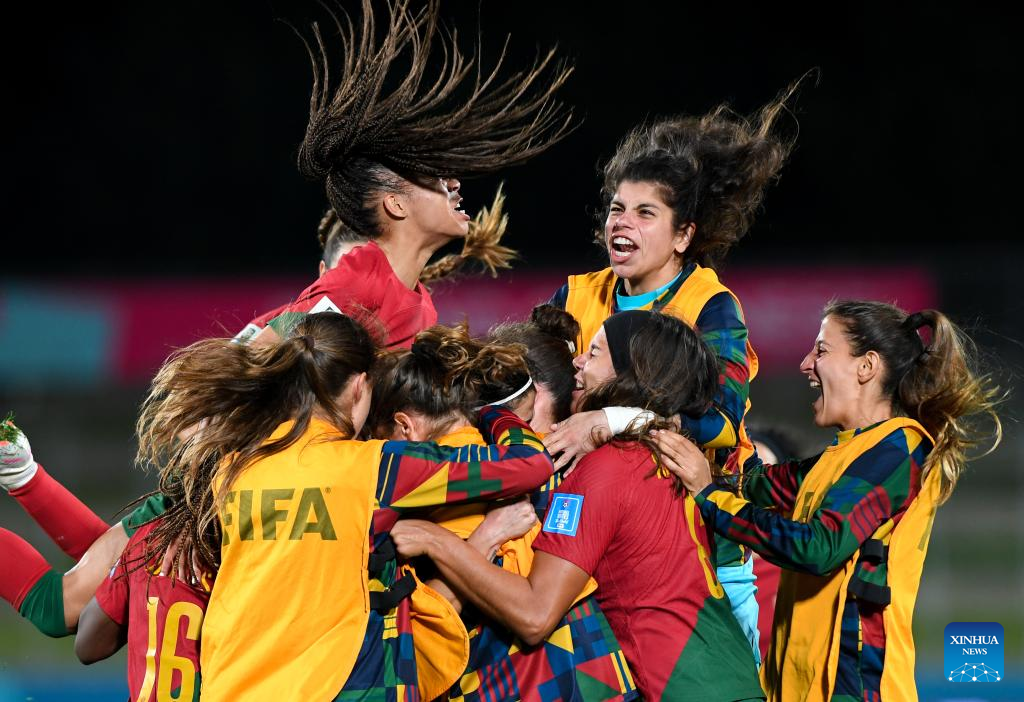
pixel 649 552
pixel 364 285
pixel 164 617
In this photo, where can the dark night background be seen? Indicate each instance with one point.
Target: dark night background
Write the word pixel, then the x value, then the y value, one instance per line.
pixel 150 158
pixel 160 138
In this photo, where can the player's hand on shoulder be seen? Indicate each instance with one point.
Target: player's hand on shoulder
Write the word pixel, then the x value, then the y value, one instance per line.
pixel 684 459
pixel 576 437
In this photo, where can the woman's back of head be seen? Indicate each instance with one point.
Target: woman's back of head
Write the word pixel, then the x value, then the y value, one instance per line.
pixel 549 337
pixel 446 376
pixel 213 406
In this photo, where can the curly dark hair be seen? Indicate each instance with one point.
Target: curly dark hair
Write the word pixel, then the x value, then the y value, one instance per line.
pixel 446 374
pixel 363 138
pixel 711 170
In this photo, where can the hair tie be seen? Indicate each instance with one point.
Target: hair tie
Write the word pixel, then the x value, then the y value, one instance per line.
pixel 308 342
pixel 916 321
pixel 913 324
pixel 423 350
pixel 572 346
pixel 504 400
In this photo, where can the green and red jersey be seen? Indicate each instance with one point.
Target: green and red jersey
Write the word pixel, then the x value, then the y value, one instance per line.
pixel 411 477
pixel 163 616
pixel 650 553
pixel 364 286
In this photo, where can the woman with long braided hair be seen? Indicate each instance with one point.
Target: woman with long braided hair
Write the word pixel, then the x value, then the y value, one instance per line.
pixel 387 143
pixel 482 244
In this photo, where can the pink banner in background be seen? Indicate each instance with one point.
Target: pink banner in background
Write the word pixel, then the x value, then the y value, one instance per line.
pixel 137 323
pixel 782 305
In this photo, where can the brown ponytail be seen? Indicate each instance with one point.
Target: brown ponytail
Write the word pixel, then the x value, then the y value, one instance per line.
pixel 213 406
pixel 932 382
pixel 332 234
pixel 482 243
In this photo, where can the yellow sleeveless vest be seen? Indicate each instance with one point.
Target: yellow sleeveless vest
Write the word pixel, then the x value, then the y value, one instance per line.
pixel 804 653
pixel 592 296
pixel 440 640
pixel 290 605
pixel 591 301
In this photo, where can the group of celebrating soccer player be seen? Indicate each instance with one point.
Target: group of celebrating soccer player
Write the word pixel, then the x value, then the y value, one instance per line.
pixel 355 502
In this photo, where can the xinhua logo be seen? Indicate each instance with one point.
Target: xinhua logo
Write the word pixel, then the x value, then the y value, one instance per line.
pixel 973 652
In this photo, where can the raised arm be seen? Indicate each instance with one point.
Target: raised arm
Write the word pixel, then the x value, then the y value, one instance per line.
pixel 530 607
pixel 877 486
pixel 414 475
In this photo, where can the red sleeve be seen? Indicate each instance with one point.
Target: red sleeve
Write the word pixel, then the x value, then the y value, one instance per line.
pixel 583 515
pixel 112 594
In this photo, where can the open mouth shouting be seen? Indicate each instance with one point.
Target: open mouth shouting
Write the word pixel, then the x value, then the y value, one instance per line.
pixel 457 207
pixel 818 403
pixel 621 248
pixel 577 393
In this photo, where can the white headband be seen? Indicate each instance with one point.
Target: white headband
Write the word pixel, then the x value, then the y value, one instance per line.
pixel 517 393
